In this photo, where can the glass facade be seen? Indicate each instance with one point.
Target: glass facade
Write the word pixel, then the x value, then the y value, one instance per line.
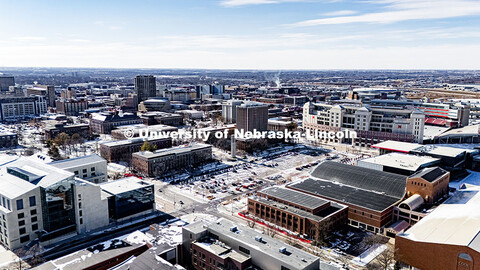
pixel 132 202
pixel 58 209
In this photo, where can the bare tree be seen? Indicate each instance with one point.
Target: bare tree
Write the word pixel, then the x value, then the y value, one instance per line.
pixel 386 258
pixel 251 223
pixel 271 232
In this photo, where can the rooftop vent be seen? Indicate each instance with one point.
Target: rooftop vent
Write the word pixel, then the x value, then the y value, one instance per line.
pixel 282 250
pixel 258 239
pixel 234 229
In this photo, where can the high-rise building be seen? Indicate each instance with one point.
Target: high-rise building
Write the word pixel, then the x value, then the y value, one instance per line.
pixel 6 82
pixel 252 116
pixel 145 87
pixel 48 91
pixel 229 110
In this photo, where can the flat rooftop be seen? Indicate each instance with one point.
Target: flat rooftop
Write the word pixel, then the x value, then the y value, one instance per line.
pixel 131 141
pixel 123 185
pixel 296 258
pixel 173 151
pixel 295 197
pixel 403 147
pixel 455 222
pixel 402 161
pixel 78 161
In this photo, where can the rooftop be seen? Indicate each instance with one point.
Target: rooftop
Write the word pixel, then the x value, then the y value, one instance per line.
pixel 172 151
pixel 430 174
pixel 294 257
pixel 295 197
pixel 403 147
pixel 402 161
pixel 78 161
pixel 123 185
pixel 455 222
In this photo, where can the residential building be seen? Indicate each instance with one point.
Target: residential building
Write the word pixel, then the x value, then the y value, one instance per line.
pixel 229 111
pixel 162 161
pixel 145 87
pixel 252 116
pixel 91 168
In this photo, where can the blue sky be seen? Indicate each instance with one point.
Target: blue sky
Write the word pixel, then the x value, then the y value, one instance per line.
pixel 242 34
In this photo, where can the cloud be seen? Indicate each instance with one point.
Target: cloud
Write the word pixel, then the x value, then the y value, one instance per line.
pixel 32 38
pixel 236 3
pixel 404 10
pixel 340 13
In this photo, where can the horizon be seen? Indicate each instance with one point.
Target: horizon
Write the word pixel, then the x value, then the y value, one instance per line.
pixel 242 34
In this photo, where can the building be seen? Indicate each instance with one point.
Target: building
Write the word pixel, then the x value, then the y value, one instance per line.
pixel 52 130
pixel 226 245
pixel 430 183
pixel 122 150
pixel 5 82
pixel 252 116
pixel 229 111
pixel 162 161
pixel 145 87
pixel 90 168
pixel 40 201
pixel 104 123
pixel 21 108
pixel 73 106
pixel 128 197
pixel 214 89
pixel 141 129
pixel 296 211
pixel 154 104
pixel 374 93
pixel 8 140
pixel 281 124
pixel 295 100
pixel 447 238
pixel 47 91
pixel 162 118
pixel 399 163
pixel 369 194
pixel 372 125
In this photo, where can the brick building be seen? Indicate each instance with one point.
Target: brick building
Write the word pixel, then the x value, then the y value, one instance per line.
pixel 122 150
pixel 163 161
pixel 296 211
pixel 104 123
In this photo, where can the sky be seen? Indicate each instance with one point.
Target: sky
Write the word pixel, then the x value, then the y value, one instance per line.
pixel 241 34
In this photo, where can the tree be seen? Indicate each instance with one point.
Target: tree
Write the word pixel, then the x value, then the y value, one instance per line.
pixel 386 258
pixel 54 153
pixel 271 232
pixel 148 147
pixel 251 223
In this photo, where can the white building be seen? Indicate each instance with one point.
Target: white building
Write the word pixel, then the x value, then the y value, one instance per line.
pixel 92 168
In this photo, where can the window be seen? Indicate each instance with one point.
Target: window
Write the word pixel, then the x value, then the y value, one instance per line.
pixel 284 268
pixel 20 215
pixel 21 222
pixel 244 250
pixel 8 205
pixel 24 239
pixel 34 219
pixel 76 172
pixel 84 170
pixel 19 204
pixel 34 227
pixel 22 230
pixel 81 221
pixel 80 213
pixel 92 169
pixel 33 212
pixel 32 201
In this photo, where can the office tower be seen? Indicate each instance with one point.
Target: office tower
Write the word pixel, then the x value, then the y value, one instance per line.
pixel 6 82
pixel 252 116
pixel 145 87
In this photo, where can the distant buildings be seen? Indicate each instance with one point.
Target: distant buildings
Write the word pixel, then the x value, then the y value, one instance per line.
pixel 145 87
pixel 163 161
pixel 21 108
pixel 52 130
pixel 162 118
pixel 154 104
pixel 104 123
pixel 229 111
pixel 48 91
pixel 5 82
pixel 73 106
pixel 252 116
pixel 8 140
pixel 373 125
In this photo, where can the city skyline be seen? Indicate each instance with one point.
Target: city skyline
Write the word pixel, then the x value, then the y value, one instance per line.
pixel 242 34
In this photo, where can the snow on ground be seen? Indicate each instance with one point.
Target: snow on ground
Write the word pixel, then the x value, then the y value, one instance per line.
pixel 370 254
pixel 473 179
pixel 194 217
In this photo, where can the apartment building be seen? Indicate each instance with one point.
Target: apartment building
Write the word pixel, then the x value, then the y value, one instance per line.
pixel 372 125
